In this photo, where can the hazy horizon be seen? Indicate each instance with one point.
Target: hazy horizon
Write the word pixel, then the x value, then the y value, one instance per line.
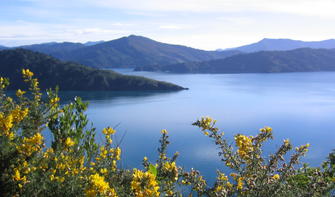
pixel 223 48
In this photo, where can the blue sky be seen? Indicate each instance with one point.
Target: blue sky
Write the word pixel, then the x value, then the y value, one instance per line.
pixel 204 24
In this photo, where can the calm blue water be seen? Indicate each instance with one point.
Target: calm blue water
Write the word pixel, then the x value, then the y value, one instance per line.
pixel 298 106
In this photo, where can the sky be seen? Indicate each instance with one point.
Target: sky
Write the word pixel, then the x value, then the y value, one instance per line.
pixel 203 24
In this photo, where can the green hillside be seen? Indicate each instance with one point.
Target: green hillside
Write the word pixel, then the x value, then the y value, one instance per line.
pixel 298 60
pixel 70 76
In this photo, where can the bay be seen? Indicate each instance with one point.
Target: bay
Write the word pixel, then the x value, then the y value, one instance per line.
pixel 298 106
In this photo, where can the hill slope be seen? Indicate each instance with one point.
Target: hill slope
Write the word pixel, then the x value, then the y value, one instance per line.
pixel 284 45
pixel 70 76
pixel 298 60
pixel 54 48
pixel 128 52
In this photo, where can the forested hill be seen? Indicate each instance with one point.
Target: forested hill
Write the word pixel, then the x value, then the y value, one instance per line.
pixel 298 60
pixel 68 75
pixel 128 52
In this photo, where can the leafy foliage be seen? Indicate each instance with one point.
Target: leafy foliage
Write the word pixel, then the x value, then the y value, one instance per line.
pixel 75 165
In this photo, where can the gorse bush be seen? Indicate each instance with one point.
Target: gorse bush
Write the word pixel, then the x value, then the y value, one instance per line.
pixel 75 165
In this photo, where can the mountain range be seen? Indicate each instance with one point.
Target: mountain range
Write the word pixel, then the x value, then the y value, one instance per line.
pixel 52 72
pixel 284 44
pixel 141 53
pixel 297 60
pixel 126 52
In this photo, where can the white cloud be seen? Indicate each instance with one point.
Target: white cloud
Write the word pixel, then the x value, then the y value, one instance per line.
pixel 321 8
pixel 170 27
pixel 204 24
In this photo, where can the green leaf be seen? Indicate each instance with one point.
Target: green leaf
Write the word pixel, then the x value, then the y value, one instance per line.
pixel 153 170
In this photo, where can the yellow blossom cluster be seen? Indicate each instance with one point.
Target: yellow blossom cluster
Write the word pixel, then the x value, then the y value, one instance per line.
pixel 276 177
pixel 266 130
pixel 244 145
pixel 69 142
pixel 8 121
pixel 19 114
pixel 18 178
pixel 164 131
pixel 27 73
pixel 207 123
pixel 144 184
pixel 108 131
pixel 30 145
pixel 99 187
pixel 240 183
pixel 2 83
pixel 19 93
pixel 171 169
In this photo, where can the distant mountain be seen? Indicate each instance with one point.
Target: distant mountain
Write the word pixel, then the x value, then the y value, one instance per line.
pixel 91 43
pixel 2 47
pixel 55 49
pixel 68 75
pixel 298 60
pixel 128 51
pixel 284 45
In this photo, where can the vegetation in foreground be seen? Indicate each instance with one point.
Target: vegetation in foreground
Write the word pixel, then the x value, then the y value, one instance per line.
pixel 75 165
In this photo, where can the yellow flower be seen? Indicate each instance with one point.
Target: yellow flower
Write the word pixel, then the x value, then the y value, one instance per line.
pixel 99 186
pixel 240 183
pixel 222 177
pixel 69 142
pixel 244 145
pixel 229 185
pixel 276 176
pixel 108 131
pixel 233 175
pixel 103 171
pixel 27 73
pixel 19 93
pixel 266 129
pixel 19 114
pixel 171 169
pixel 17 176
pixel 164 131
pixel 207 123
pixel 218 188
pixel 31 145
pixel 6 122
pixel 54 100
pixel 286 141
pixel 144 184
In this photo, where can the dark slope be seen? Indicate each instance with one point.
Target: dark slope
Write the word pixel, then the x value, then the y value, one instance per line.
pixel 285 44
pixel 298 60
pixel 70 76
pixel 54 48
pixel 129 52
